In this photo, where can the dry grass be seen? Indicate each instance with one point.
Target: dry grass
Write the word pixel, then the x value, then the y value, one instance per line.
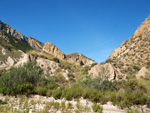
pixel 41 54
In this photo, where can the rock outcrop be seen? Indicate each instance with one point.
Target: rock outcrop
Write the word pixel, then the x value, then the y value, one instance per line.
pixel 53 50
pixel 143 73
pixel 35 43
pixel 137 49
pixel 31 41
pixel 106 70
pixel 75 58
pixel 47 65
pixel 79 59
pixel 145 26
pixel 9 58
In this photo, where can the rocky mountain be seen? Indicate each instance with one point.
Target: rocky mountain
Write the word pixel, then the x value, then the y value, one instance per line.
pixel 11 31
pixel 13 45
pixel 74 58
pixel 134 53
pixel 129 60
pixel 16 49
pixel 79 59
pixel 106 70
pixel 135 50
pixel 73 82
pixel 53 50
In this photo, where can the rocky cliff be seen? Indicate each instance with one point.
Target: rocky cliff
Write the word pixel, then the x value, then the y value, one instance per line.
pixel 134 54
pixel 79 59
pixel 13 45
pixel 136 50
pixel 11 31
pixel 75 58
pixel 53 50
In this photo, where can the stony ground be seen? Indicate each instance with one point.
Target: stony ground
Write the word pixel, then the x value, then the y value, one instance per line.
pixel 42 104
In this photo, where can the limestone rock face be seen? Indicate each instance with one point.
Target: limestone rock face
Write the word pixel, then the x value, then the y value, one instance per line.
pixel 79 59
pixel 10 61
pixel 14 33
pixel 136 50
pixel 11 31
pixel 47 65
pixel 145 26
pixel 75 58
pixel 143 73
pixel 53 50
pixel 105 70
pixel 24 59
pixel 34 43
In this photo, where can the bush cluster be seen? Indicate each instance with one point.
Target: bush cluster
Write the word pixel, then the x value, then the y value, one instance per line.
pixel 26 79
pixel 29 79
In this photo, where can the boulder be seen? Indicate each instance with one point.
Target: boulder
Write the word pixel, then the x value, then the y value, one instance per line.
pixel 143 73
pixel 106 69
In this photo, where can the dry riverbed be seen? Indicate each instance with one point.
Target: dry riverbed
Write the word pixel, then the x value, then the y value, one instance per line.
pixel 43 104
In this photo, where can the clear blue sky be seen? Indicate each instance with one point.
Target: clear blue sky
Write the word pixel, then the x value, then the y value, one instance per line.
pixel 91 27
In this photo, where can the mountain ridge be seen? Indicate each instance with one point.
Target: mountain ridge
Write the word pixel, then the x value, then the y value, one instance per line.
pixel 14 39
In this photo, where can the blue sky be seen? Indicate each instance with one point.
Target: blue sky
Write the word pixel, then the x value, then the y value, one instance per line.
pixel 91 27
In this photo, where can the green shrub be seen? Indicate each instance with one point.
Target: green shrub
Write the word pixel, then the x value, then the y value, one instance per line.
pixel 57 93
pixel 18 44
pixel 76 91
pixel 1 102
pixel 26 88
pixel 113 98
pixel 99 83
pixel 56 105
pixel 41 91
pixel 148 64
pixel 21 80
pixel 86 93
pixel 97 108
pixel 63 104
pixel 68 94
pixel 137 68
pixel 52 85
pixel 69 105
pixel 56 60
pixel 49 93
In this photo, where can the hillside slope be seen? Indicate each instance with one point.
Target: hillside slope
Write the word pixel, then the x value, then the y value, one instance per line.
pixel 13 45
pixel 134 54
pixel 12 32
pixel 136 50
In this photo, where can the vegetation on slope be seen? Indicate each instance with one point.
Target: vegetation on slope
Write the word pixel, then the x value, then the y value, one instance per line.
pixel 29 79
pixel 17 44
pixel 23 80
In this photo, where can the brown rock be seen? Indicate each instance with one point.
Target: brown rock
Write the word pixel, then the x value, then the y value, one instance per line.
pixel 53 50
pixel 79 59
pixel 145 26
pixel 123 43
pixel 105 70
pixel 34 43
pixel 136 50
